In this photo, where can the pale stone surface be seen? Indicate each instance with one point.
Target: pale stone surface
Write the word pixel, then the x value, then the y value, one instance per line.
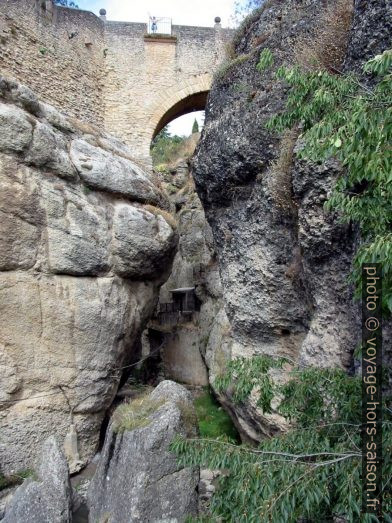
pixel 80 331
pixel 138 478
pixel 142 241
pixel 101 170
pixel 15 129
pixel 47 499
pixel 68 321
pixel 24 97
pixel 194 266
pixel 181 356
pixel 48 149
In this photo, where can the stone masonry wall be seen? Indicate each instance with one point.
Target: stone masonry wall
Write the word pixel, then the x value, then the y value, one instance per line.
pixel 145 78
pixel 36 48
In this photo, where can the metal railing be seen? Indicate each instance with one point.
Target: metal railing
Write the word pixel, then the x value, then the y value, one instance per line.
pixel 171 313
pixel 159 25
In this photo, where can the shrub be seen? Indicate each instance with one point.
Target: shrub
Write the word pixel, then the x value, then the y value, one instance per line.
pixel 313 472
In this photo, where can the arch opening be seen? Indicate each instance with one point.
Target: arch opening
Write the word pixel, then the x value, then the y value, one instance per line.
pixel 194 102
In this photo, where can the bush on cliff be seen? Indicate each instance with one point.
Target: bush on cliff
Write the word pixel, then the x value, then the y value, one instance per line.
pixel 341 117
pixel 313 471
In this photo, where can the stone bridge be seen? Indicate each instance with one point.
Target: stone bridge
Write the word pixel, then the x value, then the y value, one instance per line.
pixel 111 74
pixel 151 80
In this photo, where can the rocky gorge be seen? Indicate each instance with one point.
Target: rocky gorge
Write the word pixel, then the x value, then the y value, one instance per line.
pixel 97 251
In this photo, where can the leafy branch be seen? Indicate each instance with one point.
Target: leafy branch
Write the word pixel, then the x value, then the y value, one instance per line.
pixel 313 471
pixel 342 118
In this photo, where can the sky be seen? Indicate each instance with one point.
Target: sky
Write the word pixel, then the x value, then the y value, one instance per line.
pixel 200 13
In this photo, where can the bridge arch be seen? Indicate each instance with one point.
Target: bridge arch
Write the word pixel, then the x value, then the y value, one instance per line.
pixel 189 96
pixel 150 81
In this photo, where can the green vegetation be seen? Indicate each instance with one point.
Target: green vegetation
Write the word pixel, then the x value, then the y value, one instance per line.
pixel 166 148
pixel 343 118
pixel 66 3
pixel 195 126
pixel 213 421
pixel 313 471
pixel 135 414
pixel 266 60
pixel 15 479
pixel 248 373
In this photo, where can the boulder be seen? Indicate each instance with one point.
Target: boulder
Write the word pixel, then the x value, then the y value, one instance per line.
pixel 102 170
pixel 141 242
pixel 46 499
pixel 15 129
pixel 138 478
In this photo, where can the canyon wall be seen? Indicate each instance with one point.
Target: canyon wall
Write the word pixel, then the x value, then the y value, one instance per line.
pixel 284 261
pixel 195 271
pixel 84 249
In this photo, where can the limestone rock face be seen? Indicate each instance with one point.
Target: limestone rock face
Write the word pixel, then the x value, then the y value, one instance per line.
pixel 371 32
pixel 141 242
pixel 100 170
pixel 80 268
pixel 284 261
pixel 47 499
pixel 15 129
pixel 138 479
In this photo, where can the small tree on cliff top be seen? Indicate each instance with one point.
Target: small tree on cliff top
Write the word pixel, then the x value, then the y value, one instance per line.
pixel 195 127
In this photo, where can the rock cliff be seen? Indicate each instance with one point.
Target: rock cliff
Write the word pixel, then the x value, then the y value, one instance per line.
pixel 184 336
pixel 84 247
pixel 283 260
